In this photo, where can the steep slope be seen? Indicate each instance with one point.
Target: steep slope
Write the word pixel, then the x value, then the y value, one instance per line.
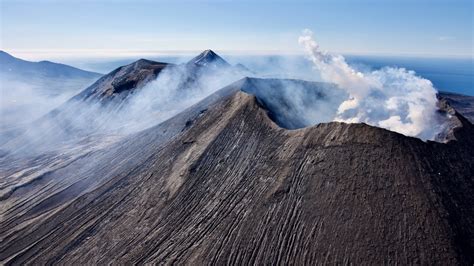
pixel 222 183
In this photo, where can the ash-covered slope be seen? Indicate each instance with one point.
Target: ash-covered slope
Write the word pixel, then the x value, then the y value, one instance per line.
pixel 222 183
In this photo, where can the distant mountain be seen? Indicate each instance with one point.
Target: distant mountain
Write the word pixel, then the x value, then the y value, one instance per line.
pixel 16 67
pixel 208 58
pixel 210 61
pixel 30 89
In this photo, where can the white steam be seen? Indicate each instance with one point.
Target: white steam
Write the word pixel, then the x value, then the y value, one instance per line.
pixel 392 98
pixel 169 94
pixel 24 100
pixel 76 121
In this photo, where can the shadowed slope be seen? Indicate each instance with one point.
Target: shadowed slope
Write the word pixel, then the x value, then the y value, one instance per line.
pixel 464 104
pixel 227 185
pixel 122 81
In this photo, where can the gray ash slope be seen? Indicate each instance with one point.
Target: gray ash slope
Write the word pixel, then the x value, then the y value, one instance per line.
pixel 222 183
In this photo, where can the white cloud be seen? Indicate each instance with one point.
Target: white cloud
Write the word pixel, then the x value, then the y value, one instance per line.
pixel 392 98
pixel 445 38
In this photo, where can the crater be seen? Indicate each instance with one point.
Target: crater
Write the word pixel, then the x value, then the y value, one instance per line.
pixel 295 104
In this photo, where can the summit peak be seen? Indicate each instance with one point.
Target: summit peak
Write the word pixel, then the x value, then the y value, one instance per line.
pixel 208 57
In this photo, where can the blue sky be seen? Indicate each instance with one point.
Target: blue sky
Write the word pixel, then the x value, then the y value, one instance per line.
pixel 112 27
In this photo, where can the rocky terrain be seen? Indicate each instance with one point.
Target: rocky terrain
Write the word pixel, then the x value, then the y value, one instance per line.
pixel 224 183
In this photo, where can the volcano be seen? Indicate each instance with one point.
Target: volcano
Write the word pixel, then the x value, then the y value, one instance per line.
pixel 225 183
pixel 208 58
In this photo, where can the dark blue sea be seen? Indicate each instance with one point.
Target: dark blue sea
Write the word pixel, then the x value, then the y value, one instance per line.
pixel 446 74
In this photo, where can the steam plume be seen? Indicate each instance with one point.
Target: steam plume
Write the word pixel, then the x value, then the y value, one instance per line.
pixel 392 98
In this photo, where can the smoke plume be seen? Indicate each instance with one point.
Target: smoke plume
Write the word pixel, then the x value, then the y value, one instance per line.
pixel 391 98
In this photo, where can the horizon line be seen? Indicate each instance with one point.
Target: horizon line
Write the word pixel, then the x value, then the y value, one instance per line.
pixel 46 54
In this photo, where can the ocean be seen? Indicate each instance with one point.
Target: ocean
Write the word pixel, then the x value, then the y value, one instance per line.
pixel 446 74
